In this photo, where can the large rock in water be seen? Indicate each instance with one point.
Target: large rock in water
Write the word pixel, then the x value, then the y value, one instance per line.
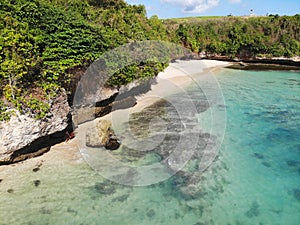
pixel 102 135
pixel 23 136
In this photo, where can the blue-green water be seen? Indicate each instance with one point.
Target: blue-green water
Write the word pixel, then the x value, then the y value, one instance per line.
pixel 254 180
pixel 263 136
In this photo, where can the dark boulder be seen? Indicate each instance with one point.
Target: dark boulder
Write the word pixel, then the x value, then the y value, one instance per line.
pixel 112 143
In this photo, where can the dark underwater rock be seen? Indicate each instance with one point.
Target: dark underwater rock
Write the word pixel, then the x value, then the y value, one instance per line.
pixel 36 169
pixel 105 188
pixel 253 211
pixel 37 183
pixel 258 156
pixel 266 164
pixel 292 163
pixel 150 213
pixel 296 194
pixel 121 198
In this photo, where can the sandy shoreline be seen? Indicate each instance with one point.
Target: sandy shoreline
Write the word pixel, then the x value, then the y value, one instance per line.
pixel 177 75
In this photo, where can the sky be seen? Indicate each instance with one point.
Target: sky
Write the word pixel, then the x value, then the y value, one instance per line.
pixel 185 8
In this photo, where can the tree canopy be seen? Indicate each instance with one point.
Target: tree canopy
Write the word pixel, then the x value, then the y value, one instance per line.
pixel 45 44
pixel 271 36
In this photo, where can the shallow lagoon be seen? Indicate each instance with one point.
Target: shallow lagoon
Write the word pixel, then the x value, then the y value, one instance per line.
pixel 254 180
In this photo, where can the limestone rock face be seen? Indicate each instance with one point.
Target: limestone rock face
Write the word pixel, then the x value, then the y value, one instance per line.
pixel 97 136
pixel 102 136
pixel 92 102
pixel 22 132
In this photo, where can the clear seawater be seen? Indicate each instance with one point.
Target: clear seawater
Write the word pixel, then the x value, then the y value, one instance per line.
pixel 254 180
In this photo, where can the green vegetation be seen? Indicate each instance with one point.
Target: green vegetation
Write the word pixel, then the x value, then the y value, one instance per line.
pixel 193 19
pixel 136 71
pixel 43 42
pixel 272 36
pixel 46 44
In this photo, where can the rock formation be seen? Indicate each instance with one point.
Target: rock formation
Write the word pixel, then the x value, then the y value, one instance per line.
pixel 24 137
pixel 102 136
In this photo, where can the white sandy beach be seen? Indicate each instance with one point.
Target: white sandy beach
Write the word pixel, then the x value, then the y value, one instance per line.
pixel 177 75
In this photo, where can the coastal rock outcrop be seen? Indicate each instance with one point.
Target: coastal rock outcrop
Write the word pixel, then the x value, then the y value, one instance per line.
pixel 102 135
pixel 88 105
pixel 24 137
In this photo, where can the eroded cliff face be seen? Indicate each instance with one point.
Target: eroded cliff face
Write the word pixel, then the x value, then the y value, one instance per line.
pixel 89 105
pixel 23 137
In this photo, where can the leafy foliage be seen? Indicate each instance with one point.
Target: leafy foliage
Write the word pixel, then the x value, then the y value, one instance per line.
pixel 134 72
pixel 272 36
pixel 43 42
pixel 45 45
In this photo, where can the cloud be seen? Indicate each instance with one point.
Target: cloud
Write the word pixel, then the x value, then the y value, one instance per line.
pixel 194 6
pixel 235 1
pixel 150 8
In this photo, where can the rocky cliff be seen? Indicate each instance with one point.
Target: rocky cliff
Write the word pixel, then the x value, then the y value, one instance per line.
pixel 24 137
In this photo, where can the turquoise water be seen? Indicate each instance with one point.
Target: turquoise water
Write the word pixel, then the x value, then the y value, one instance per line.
pixel 263 130
pixel 254 180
